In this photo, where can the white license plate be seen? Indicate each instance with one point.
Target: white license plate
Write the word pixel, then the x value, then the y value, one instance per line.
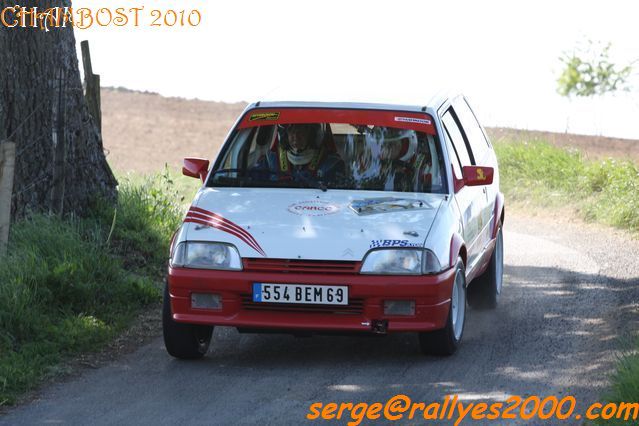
pixel 300 293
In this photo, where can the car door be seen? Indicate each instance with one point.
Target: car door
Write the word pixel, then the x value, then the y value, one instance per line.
pixel 470 199
pixel 482 155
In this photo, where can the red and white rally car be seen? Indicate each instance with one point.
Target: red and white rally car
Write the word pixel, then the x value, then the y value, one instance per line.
pixel 340 217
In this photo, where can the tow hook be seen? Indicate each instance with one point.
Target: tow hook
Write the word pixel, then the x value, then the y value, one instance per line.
pixel 379 326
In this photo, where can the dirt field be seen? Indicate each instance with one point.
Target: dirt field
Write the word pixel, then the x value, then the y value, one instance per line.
pixel 143 131
pixel 593 147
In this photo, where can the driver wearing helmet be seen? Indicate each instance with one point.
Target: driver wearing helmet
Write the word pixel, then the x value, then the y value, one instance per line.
pixel 405 161
pixel 302 152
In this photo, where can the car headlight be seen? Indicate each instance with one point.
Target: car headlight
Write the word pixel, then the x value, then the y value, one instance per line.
pixel 401 262
pixel 190 254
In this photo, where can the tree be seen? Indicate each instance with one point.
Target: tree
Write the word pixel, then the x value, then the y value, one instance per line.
pixel 60 163
pixel 588 72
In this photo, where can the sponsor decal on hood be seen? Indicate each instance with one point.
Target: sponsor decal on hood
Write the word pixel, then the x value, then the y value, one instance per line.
pixel 313 208
pixel 388 204
pixel 393 243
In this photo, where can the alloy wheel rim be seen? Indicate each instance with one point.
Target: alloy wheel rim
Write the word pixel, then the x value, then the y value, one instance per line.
pixel 458 305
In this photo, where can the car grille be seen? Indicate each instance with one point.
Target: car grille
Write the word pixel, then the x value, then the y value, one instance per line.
pixel 354 307
pixel 301 266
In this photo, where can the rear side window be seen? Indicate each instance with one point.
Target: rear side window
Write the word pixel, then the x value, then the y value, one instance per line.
pixel 455 135
pixel 474 134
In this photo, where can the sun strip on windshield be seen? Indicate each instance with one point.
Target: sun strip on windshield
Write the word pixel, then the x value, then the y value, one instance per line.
pixel 420 122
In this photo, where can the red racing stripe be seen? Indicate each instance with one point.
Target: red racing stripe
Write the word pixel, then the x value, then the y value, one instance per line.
pixel 225 221
pixel 207 223
pixel 218 217
pixel 204 217
pixel 221 227
pixel 227 230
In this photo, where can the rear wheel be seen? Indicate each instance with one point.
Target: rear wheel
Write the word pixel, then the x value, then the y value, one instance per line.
pixel 446 340
pixel 485 289
pixel 185 341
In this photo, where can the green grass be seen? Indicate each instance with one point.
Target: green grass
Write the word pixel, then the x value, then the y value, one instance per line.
pixel 69 286
pixel 150 209
pixel 540 174
pixel 537 174
pixel 625 385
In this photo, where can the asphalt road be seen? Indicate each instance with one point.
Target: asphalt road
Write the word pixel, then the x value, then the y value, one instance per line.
pixel 570 291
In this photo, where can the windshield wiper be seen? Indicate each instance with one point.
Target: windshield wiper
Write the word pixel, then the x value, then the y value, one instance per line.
pixel 227 171
pixel 306 180
pixel 313 184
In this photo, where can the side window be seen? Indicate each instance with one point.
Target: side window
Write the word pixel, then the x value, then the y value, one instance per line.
pixel 259 144
pixel 236 156
pixel 454 158
pixel 456 137
pixel 476 138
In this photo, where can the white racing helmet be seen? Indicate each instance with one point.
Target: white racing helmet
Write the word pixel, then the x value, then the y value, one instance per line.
pixel 400 144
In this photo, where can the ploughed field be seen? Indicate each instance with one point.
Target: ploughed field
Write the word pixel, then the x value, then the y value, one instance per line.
pixel 144 131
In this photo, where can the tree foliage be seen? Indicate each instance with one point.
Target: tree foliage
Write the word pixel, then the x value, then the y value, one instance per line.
pixel 588 71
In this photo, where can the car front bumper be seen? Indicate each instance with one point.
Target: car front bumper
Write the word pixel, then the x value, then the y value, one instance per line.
pixel 367 293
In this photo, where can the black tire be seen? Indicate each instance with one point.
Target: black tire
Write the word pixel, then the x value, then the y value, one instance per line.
pixel 484 290
pixel 184 341
pixel 445 342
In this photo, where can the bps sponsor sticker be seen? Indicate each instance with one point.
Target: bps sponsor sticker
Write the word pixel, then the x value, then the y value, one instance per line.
pixel 313 208
pixel 393 243
pixel 265 116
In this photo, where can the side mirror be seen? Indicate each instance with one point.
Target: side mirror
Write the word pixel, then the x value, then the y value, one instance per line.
pixel 477 175
pixel 195 167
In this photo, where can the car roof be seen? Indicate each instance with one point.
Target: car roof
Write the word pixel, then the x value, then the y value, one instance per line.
pixel 341 105
pixel 413 101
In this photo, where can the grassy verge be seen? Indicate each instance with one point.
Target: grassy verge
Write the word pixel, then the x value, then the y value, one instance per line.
pixel 539 174
pixel 625 385
pixel 69 286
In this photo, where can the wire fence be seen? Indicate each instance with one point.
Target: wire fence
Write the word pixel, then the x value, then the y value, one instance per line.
pixel 50 138
pixel 51 147
pixel 47 119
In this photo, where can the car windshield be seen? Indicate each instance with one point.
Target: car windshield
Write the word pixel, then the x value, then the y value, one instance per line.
pixel 331 156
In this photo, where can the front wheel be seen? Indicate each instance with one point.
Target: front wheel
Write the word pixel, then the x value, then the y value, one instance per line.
pixel 447 340
pixel 184 341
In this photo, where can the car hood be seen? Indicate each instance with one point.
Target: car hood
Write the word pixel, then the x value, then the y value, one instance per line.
pixel 310 224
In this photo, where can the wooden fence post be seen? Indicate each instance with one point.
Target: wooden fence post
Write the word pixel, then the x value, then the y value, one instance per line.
pixel 92 94
pixel 7 166
pixel 59 151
